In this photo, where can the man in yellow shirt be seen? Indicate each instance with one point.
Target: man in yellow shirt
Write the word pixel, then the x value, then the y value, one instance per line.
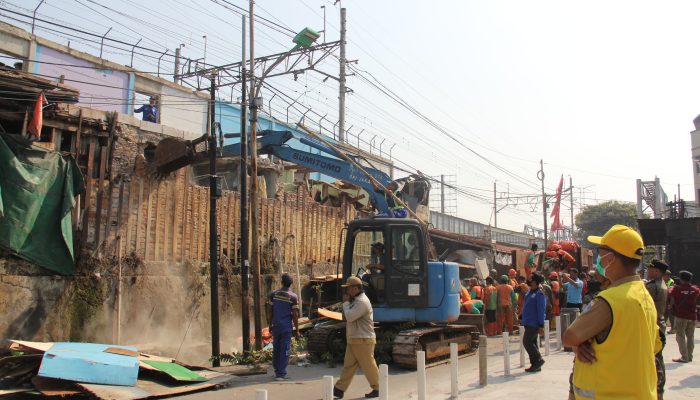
pixel 616 337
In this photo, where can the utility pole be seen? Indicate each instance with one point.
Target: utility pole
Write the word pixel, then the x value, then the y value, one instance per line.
pixel 177 63
pixel 341 94
pixel 442 194
pixel 495 207
pixel 540 176
pixel 571 188
pixel 214 193
pixel 243 190
pixel 255 239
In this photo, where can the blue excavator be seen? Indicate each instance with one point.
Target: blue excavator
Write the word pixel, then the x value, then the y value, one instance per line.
pixel 416 300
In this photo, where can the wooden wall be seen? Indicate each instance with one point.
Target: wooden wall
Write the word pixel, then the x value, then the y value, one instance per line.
pixel 168 220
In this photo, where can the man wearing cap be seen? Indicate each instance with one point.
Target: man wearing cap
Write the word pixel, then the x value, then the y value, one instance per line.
pixel 616 338
pixel 668 315
pixel 684 297
pixel 360 339
pixel 282 311
pixel 533 314
pixel 659 293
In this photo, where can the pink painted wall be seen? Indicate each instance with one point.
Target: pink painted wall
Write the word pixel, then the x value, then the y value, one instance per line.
pixel 111 92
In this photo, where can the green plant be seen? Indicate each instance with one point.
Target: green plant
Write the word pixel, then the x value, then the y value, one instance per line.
pixel 253 358
pixel 298 345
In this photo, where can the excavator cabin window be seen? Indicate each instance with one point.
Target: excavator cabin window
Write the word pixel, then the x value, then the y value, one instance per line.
pixel 368 262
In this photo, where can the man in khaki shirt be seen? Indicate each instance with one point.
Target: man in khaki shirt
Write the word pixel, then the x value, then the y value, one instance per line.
pixel 359 350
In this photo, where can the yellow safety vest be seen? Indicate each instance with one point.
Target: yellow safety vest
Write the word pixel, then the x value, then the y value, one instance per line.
pixel 625 368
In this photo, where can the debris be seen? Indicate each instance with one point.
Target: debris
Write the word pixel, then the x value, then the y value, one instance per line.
pixel 91 363
pixel 101 371
pixel 176 371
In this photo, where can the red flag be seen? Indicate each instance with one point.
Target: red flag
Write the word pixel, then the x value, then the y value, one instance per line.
pixel 34 128
pixel 556 222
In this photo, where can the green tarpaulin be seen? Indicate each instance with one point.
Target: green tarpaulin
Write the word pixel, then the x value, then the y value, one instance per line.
pixel 37 194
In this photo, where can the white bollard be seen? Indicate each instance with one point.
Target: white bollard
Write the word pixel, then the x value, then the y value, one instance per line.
pixel 422 394
pixel 521 329
pixel 260 394
pixel 383 382
pixel 557 321
pixel 578 314
pixel 506 354
pixel 483 367
pixel 327 387
pixel 454 369
pixel 546 337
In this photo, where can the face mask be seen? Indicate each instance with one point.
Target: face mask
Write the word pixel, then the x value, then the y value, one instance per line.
pixel 605 268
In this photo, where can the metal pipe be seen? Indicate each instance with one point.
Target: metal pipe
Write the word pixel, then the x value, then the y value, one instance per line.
pixel 131 64
pixel 380 146
pixel 102 40
pixel 269 103
pixel 42 2
pixel 159 58
pixel 391 149
pixel 358 139
pixel 334 125
pixel 303 116
pixel 371 143
pixel 204 59
pixel 324 23
pixel 320 122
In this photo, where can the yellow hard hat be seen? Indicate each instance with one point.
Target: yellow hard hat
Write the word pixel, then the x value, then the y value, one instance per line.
pixel 621 239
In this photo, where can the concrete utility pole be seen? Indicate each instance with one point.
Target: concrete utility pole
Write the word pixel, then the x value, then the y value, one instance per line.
pixel 343 89
pixel 177 63
pixel 255 239
pixel 495 207
pixel 442 194
pixel 540 176
pixel 243 191
pixel 214 193
pixel 571 188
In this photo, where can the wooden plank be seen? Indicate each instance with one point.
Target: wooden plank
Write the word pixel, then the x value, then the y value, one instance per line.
pixel 192 222
pixel 147 248
pixel 88 192
pixel 129 219
pixel 100 196
pixel 185 222
pixel 139 212
pixel 229 227
pixel 110 177
pixel 158 215
pixel 175 212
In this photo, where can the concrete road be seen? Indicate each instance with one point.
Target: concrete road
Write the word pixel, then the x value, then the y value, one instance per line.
pixel 683 380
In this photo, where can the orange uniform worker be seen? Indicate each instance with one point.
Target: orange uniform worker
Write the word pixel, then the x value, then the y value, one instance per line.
pixel 556 288
pixel 506 304
pixel 476 291
pixel 491 306
pixel 512 276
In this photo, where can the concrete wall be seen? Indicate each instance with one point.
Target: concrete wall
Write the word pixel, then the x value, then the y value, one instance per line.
pixel 113 92
pixel 183 110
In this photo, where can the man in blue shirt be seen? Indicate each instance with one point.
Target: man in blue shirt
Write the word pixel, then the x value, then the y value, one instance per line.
pixel 533 319
pixel 150 111
pixel 574 289
pixel 282 311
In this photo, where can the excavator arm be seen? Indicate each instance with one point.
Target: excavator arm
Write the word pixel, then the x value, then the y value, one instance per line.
pixel 276 143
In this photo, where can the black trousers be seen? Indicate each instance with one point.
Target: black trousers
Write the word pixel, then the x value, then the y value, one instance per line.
pixel 531 345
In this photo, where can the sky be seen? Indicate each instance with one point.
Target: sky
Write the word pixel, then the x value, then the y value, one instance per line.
pixel 603 92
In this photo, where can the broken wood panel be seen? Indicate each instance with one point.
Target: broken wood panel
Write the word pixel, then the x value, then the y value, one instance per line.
pixel 185 207
pixel 100 196
pixel 157 219
pixel 133 192
pixel 88 191
pixel 147 234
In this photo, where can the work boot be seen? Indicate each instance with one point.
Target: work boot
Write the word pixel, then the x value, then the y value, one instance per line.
pixel 337 393
pixel 373 394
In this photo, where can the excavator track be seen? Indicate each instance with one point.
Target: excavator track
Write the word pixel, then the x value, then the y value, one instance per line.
pixel 328 338
pixel 435 341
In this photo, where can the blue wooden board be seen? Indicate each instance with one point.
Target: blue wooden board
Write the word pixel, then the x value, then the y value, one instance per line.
pixel 88 362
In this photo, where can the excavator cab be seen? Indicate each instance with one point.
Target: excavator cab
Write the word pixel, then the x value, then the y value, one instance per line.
pixel 389 256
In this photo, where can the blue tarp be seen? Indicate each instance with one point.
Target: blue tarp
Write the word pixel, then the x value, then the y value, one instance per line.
pixel 91 363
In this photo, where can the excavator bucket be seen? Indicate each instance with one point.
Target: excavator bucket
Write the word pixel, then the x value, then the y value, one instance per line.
pixel 172 154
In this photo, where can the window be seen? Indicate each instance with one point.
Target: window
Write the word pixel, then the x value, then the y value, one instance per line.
pixel 406 252
pixel 362 255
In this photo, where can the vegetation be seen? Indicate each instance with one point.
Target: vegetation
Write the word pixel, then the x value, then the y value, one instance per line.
pixel 597 219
